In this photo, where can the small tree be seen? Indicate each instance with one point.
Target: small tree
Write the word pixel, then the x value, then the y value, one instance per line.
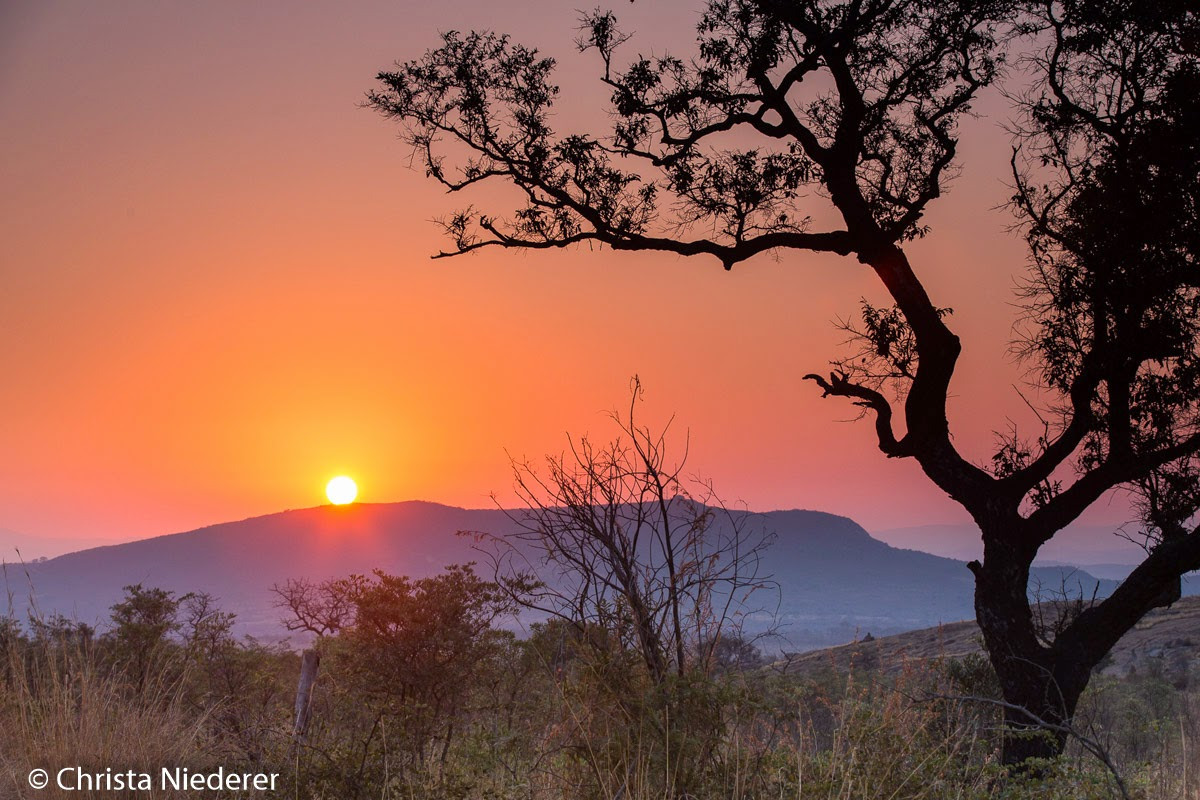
pixel 142 626
pixel 205 628
pixel 415 648
pixel 646 579
pixel 855 106
pixel 405 653
pixel 616 537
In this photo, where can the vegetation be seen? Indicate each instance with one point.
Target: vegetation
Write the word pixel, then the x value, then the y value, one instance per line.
pixel 422 695
pixel 615 538
pixel 164 685
pixel 832 126
pixel 636 680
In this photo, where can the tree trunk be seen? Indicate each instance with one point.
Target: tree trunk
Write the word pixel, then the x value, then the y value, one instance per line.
pixel 1040 685
pixel 1038 712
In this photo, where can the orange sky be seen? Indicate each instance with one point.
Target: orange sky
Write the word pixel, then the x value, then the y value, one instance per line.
pixel 215 288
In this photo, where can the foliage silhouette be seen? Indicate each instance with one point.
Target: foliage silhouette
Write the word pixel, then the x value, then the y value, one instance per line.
pixel 855 105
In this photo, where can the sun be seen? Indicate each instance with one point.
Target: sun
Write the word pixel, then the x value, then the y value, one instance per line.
pixel 341 490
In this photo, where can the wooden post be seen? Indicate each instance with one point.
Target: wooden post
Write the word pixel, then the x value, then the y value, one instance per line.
pixel 309 662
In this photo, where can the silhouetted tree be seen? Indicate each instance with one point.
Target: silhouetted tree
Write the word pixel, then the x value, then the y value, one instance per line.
pixel 320 608
pixel 615 538
pixel 855 105
pixel 1108 190
pixel 142 624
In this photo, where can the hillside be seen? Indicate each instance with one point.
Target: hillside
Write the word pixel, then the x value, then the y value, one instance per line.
pixel 835 580
pixel 1167 639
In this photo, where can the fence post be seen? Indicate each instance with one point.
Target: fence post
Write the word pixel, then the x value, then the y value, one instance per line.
pixel 310 660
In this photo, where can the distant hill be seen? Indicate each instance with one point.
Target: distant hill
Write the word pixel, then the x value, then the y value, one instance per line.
pixel 838 582
pixel 238 562
pixel 1166 642
pixel 835 579
pixel 1080 545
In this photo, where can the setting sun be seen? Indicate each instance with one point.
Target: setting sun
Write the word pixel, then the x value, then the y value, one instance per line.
pixel 341 490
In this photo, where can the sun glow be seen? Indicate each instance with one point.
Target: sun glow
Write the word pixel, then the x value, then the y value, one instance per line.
pixel 341 490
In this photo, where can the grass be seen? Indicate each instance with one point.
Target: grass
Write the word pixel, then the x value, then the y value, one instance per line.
pixel 60 708
pixel 583 731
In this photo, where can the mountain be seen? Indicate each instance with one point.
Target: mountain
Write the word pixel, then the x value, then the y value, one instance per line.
pixel 835 580
pixel 1075 544
pixel 1165 642
pixel 238 562
pixel 1115 572
pixel 839 583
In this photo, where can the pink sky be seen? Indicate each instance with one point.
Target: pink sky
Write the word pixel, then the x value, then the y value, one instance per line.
pixel 216 293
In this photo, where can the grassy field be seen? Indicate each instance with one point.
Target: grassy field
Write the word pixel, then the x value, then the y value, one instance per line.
pixel 556 715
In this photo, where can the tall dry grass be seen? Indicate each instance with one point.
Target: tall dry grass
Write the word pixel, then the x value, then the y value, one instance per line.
pixel 755 736
pixel 60 707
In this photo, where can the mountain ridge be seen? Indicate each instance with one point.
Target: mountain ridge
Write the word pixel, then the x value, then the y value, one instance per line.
pixel 1166 641
pixel 834 578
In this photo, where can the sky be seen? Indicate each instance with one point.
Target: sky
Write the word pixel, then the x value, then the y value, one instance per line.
pixel 216 290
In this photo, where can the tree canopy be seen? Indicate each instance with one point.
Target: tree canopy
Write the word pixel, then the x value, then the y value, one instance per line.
pixel 852 109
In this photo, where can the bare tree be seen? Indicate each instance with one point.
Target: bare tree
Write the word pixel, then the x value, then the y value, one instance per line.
pixel 856 104
pixel 320 608
pixel 616 537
